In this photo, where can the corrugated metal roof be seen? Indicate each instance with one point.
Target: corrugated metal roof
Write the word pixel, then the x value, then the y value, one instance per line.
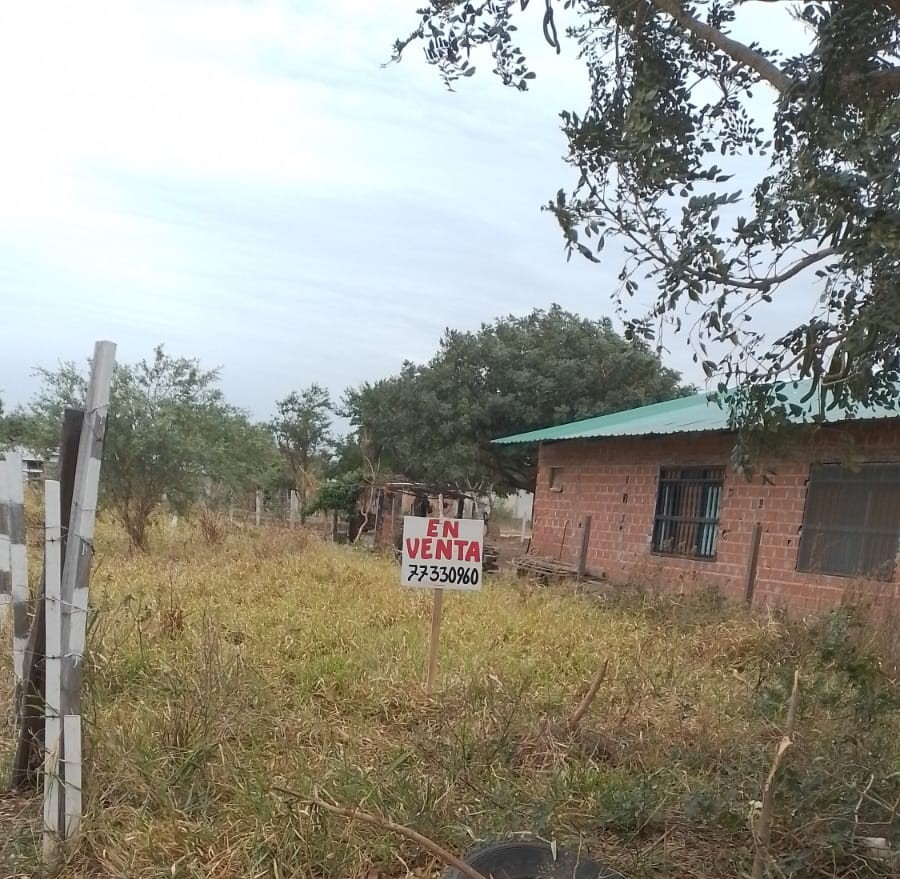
pixel 700 412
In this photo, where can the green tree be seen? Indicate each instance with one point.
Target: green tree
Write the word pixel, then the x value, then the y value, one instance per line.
pixel 347 457
pixel 15 428
pixel 339 494
pixel 170 434
pixel 302 429
pixel 669 122
pixel 436 422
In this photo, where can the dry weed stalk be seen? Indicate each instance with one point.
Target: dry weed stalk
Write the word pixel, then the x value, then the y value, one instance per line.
pixel 764 823
pixel 357 814
pixel 552 742
pixel 599 677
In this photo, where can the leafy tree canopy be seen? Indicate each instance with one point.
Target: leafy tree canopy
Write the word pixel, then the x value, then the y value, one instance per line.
pixel 435 422
pixel 339 494
pixel 347 456
pixel 669 120
pixel 302 429
pixel 15 428
pixel 170 433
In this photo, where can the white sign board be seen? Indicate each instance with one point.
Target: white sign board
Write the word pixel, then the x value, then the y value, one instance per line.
pixel 442 553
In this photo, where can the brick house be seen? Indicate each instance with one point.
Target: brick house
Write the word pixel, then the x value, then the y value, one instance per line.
pixel 665 507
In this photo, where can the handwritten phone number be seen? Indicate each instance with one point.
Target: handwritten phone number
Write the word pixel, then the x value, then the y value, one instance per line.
pixel 440 574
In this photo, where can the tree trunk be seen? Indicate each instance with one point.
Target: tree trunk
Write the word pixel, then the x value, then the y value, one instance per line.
pixel 136 529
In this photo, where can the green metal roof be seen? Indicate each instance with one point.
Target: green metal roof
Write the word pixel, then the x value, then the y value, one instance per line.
pixel 699 412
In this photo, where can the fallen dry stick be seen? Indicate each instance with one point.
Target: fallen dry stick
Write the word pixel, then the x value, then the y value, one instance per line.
pixel 589 696
pixel 377 821
pixel 764 824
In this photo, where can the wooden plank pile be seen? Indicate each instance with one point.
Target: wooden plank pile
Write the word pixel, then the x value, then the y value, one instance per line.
pixel 547 569
pixel 543 567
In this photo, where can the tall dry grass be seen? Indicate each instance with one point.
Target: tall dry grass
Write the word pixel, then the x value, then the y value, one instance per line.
pixel 223 675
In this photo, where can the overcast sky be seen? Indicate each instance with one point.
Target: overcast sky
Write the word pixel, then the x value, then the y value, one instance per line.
pixel 245 182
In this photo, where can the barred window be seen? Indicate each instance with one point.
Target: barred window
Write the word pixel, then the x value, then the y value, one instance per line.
pixel 851 524
pixel 687 511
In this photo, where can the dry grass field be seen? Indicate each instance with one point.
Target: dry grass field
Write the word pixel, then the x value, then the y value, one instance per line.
pixel 229 682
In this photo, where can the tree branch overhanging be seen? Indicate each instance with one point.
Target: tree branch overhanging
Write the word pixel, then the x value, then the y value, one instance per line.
pixel 662 257
pixel 831 143
pixel 766 283
pixel 735 50
pixel 886 81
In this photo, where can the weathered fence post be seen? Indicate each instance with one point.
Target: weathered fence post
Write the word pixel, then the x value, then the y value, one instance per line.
pixel 77 570
pixel 585 545
pixel 294 506
pixel 54 792
pixel 18 563
pixel 258 508
pixel 752 563
pixel 5 575
pixel 30 747
pixel 73 782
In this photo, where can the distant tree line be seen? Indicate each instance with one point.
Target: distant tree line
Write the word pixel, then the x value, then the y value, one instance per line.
pixel 173 436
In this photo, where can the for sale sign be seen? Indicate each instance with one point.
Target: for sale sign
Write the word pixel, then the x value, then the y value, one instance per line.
pixel 442 553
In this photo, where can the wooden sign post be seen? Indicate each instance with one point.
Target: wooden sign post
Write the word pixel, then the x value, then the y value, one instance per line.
pixel 441 554
pixel 437 610
pixel 434 642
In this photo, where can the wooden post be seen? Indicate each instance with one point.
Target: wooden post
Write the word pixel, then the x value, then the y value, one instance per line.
pixel 562 543
pixel 435 640
pixel 30 746
pixel 79 544
pixel 72 751
pixel 378 494
pixel 436 612
pixel 18 564
pixel 752 564
pixel 77 570
pixel 585 542
pixel 54 795
pixel 396 518
pixel 294 506
pixel 522 533
pixel 5 574
pixel 258 508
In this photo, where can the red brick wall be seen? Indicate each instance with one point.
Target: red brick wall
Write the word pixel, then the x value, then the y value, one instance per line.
pixel 615 482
